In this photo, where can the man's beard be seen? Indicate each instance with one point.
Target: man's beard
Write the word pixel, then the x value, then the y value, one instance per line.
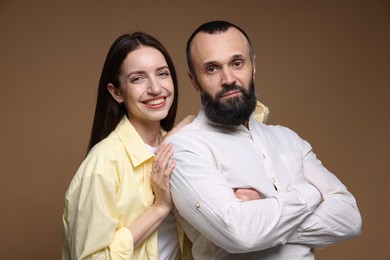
pixel 232 111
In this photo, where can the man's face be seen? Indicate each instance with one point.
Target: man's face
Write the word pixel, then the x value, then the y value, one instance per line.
pixel 224 74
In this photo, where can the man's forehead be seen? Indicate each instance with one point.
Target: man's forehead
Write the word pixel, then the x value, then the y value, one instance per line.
pixel 210 45
pixel 231 33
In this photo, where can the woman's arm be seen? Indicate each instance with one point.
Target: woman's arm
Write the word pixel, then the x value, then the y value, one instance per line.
pixel 148 222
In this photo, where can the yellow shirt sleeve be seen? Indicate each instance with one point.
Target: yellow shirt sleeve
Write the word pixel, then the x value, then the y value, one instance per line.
pixel 94 229
pixel 261 112
pixel 110 190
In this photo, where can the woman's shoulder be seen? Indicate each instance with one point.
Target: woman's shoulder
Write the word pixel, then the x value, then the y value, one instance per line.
pixel 104 155
pixel 101 161
pixel 108 146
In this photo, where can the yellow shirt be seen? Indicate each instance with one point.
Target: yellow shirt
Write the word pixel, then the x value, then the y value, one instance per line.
pixel 110 190
pixel 261 112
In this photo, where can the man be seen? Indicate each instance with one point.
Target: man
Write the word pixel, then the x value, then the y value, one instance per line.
pixel 302 204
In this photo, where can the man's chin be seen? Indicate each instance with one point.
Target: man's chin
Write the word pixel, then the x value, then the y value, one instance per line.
pixel 233 99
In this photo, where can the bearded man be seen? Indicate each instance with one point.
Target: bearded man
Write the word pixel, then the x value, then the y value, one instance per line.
pixel 295 203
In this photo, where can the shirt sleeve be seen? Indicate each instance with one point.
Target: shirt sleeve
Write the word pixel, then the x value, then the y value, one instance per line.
pixel 94 229
pixel 204 198
pixel 337 217
pixel 261 112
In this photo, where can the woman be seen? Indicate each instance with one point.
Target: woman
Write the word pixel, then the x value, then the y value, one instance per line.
pixel 115 203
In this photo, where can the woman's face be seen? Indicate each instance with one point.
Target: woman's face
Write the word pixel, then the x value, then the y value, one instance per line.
pixel 146 86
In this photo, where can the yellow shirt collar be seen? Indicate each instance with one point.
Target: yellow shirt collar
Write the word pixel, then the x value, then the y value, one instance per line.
pixel 131 140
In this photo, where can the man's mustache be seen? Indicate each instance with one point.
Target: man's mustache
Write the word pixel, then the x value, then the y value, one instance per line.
pixel 228 88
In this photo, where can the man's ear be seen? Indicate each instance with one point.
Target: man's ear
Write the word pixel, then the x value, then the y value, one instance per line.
pixel 114 93
pixel 194 81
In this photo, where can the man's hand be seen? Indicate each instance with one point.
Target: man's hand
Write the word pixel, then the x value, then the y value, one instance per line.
pixel 246 194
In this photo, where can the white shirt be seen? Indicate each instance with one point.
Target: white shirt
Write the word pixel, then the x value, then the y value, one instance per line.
pixel 168 243
pixel 294 216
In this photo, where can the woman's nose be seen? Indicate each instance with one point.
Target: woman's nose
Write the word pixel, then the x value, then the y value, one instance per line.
pixel 154 87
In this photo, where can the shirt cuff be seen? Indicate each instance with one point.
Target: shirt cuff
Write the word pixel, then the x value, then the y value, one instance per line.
pixel 309 194
pixel 122 243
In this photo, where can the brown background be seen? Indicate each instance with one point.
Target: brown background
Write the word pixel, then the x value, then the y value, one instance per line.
pixel 322 67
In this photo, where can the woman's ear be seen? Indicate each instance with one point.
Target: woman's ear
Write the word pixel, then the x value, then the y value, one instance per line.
pixel 115 93
pixel 254 66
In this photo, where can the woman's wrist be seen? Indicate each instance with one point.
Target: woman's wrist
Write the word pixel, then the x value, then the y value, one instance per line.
pixel 162 210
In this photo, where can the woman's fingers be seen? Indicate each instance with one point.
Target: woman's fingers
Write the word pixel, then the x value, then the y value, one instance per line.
pixel 162 159
pixel 161 172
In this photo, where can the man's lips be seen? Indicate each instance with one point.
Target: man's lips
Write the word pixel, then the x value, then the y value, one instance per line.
pixel 231 93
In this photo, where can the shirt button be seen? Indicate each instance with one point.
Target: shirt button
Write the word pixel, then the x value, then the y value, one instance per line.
pixel 197 204
pixel 249 137
pixel 263 156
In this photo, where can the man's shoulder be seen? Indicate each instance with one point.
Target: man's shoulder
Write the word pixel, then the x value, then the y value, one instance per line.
pixel 195 133
pixel 191 130
pixel 198 123
pixel 268 129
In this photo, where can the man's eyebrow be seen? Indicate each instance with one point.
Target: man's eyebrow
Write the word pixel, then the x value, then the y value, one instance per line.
pixel 208 63
pixel 238 56
pixel 235 56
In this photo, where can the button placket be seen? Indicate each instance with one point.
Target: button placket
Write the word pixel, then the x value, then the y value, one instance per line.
pixel 266 161
pixel 267 164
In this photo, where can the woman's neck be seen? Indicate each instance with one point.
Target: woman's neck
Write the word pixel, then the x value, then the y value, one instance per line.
pixel 150 132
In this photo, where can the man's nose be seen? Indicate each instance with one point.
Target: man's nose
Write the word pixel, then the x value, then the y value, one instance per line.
pixel 227 77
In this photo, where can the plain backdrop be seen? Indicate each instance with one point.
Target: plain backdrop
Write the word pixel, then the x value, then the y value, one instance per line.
pixel 323 68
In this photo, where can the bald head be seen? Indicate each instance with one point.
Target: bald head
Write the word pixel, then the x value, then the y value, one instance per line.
pixel 213 28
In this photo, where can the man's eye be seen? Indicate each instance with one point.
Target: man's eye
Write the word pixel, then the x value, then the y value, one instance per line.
pixel 237 63
pixel 211 69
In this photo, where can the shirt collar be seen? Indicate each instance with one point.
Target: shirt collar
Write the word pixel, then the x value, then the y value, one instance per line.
pixel 133 143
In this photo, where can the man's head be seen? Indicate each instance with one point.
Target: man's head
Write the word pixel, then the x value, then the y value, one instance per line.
pixel 222 67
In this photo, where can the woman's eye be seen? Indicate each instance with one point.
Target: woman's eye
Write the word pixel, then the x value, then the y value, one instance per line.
pixel 164 73
pixel 135 79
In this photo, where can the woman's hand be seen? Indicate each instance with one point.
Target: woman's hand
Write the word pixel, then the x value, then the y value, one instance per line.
pixel 184 122
pixel 149 221
pixel 161 171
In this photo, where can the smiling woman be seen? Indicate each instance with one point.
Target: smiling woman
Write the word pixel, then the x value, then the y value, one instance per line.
pixel 146 90
pixel 115 206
